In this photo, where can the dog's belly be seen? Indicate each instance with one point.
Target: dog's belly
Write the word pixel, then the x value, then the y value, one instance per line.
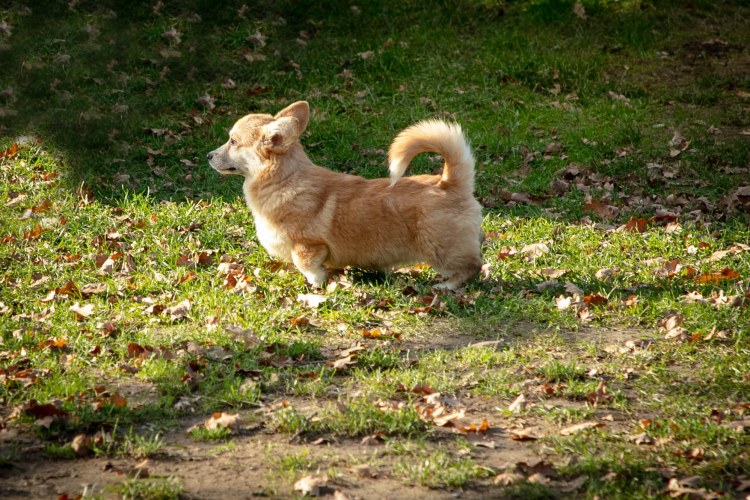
pixel 274 241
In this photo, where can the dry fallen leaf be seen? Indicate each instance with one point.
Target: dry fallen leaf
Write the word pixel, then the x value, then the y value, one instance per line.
pixel 684 487
pixel 573 289
pixel 81 444
pixel 508 478
pixel 523 435
pixel 179 311
pixel 606 274
pixel 535 250
pixel 206 101
pixel 518 404
pixel 221 420
pixel 82 311
pixel 340 495
pixel 364 470
pixel 600 395
pixel 605 211
pixel 567 431
pixel 552 273
pixel 311 299
pixel 574 484
pixel 579 10
pixel 310 485
pixel 673 325
pixel 141 470
pixel 546 285
pixel 562 302
pixel 443 419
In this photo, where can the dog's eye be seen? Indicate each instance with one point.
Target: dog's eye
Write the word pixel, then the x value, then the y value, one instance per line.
pixel 232 142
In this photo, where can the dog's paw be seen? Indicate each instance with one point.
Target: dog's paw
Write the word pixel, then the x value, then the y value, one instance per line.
pixel 444 286
pixel 316 281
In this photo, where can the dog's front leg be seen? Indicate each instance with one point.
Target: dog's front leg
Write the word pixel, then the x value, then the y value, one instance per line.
pixel 309 260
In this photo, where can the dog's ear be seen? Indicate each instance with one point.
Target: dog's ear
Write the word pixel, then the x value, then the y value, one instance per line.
pixel 299 110
pixel 280 134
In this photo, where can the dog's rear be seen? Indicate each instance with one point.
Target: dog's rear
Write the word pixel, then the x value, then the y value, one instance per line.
pixel 457 251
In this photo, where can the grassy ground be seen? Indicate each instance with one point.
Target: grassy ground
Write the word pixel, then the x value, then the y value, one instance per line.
pixel 140 319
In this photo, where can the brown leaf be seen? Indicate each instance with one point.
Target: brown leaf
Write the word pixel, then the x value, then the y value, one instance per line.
pixel 221 420
pixel 553 148
pixel 128 368
pixel 552 273
pixel 508 478
pixel 105 265
pixel 600 395
pixel 678 488
pixel 342 363
pixel 310 485
pixel 525 434
pixel 518 404
pixel 574 484
pixel 178 311
pixel 444 419
pixel 423 388
pixel 34 409
pixel 82 311
pixel 595 299
pixel 567 431
pixel 34 233
pixel 141 470
pixel 535 250
pixel 206 101
pixel 118 401
pixel 636 225
pixel 579 10
pixel 338 494
pixel 311 299
pixel 602 210
pixel 81 445
pixel 563 303
pixel 716 277
pixel 364 470
pixel 91 289
pixel 606 274
pixel 573 289
pixel 43 206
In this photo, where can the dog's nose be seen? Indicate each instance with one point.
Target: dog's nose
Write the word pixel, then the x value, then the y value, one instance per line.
pixel 210 156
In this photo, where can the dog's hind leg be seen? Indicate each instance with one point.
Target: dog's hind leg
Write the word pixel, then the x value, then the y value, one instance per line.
pixel 459 269
pixel 309 260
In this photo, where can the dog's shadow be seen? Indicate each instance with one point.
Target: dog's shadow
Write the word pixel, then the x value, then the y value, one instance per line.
pixel 370 278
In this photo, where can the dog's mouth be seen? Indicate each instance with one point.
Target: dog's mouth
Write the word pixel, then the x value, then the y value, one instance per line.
pixel 227 170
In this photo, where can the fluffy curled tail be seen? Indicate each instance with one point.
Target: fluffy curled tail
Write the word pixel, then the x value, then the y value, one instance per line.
pixel 439 137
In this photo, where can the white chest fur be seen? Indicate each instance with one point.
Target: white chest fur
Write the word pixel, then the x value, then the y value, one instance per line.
pixel 272 239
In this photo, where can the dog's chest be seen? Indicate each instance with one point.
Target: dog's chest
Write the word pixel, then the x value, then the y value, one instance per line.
pixel 273 240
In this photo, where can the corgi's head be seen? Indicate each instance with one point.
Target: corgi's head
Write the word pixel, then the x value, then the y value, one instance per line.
pixel 256 139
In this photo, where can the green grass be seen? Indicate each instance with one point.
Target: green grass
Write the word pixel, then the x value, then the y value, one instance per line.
pixel 149 489
pixel 517 76
pixel 353 419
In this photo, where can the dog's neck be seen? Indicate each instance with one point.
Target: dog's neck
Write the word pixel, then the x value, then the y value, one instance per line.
pixel 278 183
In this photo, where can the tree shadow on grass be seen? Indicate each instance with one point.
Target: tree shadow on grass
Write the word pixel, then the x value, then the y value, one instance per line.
pixel 107 89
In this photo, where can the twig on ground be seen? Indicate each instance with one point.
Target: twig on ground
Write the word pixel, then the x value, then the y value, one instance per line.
pixel 303 429
pixel 211 358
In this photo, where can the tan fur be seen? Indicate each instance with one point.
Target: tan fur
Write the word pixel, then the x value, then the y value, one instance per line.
pixel 314 217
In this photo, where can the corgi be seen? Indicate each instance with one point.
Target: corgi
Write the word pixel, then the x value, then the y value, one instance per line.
pixel 319 219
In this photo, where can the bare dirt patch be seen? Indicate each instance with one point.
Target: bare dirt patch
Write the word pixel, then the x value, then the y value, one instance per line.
pixel 251 468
